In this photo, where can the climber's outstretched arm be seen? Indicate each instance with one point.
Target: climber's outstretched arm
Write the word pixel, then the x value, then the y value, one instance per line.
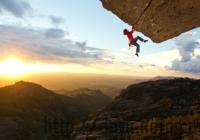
pixel 133 29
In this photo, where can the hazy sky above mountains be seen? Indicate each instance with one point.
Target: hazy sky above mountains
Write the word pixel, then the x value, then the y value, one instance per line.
pixel 81 36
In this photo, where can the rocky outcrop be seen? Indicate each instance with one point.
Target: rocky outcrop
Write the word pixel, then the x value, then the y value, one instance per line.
pixel 158 19
pixel 134 113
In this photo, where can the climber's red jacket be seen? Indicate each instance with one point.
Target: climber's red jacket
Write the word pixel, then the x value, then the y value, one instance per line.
pixel 130 34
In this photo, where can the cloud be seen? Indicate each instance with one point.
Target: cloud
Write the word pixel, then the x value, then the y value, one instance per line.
pixel 189 61
pixel 55 20
pixel 147 65
pixel 16 7
pixel 192 66
pixel 33 45
pixel 55 33
pixel 165 58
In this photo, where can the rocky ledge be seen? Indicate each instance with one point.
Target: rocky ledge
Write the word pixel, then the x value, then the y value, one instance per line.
pixel 158 19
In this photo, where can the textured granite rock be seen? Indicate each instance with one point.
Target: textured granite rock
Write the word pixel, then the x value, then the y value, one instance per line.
pixel 138 105
pixel 158 19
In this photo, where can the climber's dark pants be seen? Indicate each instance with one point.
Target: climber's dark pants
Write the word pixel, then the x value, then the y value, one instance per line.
pixel 134 42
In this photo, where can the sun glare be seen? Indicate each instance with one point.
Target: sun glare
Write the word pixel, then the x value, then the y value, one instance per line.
pixel 13 67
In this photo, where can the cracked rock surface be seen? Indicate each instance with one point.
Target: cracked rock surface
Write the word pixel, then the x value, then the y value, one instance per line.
pixel 158 19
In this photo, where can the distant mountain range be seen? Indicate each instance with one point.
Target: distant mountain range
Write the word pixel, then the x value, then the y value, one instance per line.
pixel 110 91
pixel 24 105
pixel 167 109
pixel 162 78
pixel 90 100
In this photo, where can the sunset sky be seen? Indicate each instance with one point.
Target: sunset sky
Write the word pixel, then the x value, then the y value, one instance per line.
pixel 80 36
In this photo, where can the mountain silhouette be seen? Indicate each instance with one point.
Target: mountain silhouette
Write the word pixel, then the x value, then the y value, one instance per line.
pixel 24 105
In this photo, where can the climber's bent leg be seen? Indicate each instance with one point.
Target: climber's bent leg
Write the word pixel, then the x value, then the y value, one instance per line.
pixel 139 38
pixel 137 46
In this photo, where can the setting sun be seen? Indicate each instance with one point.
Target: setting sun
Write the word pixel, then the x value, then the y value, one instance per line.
pixel 13 67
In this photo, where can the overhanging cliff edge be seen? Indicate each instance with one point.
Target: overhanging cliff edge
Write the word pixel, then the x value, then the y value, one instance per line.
pixel 158 19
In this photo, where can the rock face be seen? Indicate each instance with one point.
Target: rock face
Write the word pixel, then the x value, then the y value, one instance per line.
pixel 134 113
pixel 158 19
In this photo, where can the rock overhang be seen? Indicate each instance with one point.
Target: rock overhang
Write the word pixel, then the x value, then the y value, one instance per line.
pixel 158 19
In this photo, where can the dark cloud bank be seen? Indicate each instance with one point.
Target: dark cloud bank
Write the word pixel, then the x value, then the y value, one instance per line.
pixel 19 8
pixel 54 33
pixel 16 7
pixel 48 45
pixel 55 20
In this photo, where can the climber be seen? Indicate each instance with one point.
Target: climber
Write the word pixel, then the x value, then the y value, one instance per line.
pixel 133 41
